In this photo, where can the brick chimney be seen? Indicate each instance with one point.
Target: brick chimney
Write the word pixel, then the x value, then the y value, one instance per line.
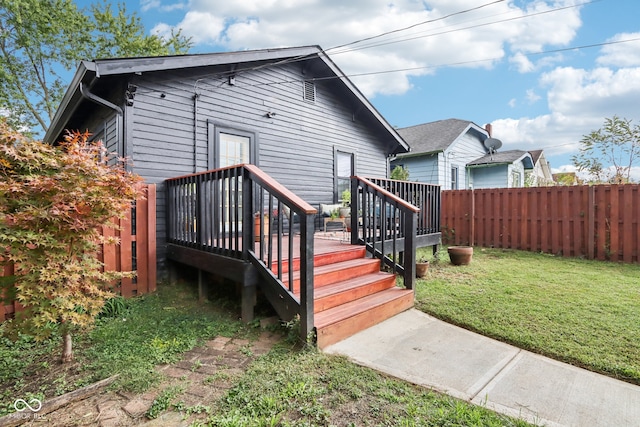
pixel 488 128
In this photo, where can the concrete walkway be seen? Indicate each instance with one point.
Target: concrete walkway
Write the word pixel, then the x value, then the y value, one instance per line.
pixel 423 350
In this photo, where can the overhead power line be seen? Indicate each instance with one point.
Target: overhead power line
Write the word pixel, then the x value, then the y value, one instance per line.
pixel 415 37
pixel 415 25
pixel 305 57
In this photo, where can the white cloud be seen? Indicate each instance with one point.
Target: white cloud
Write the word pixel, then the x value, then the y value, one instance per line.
pixel 256 24
pixel 147 5
pixel 200 26
pixel 601 92
pixel 621 54
pixel 522 63
pixel 545 28
pixel 579 100
pixel 532 96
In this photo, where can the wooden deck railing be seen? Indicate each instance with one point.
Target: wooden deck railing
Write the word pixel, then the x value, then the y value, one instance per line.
pixel 240 212
pixel 386 226
pixel 136 251
pixel 424 196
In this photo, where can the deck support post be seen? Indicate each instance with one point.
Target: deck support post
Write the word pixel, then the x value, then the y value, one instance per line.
pixel 171 270
pixel 201 293
pixel 248 302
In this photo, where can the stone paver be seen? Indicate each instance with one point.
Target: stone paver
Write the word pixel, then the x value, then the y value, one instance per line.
pixel 205 374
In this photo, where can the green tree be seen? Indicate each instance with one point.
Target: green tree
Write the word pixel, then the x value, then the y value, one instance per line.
pixel 400 173
pixel 609 153
pixel 41 40
pixel 53 202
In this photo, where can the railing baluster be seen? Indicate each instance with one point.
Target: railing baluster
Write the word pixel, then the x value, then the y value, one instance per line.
pixel 389 215
pixel 213 211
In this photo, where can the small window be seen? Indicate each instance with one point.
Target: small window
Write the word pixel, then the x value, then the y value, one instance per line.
pixel 454 177
pixel 516 180
pixel 309 91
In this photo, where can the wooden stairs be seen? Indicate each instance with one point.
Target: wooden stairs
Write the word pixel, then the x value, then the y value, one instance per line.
pixel 351 294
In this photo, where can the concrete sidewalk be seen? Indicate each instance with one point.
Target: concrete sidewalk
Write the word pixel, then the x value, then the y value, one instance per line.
pixel 429 352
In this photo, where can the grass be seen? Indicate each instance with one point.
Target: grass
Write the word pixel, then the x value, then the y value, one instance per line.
pixel 137 335
pixel 289 386
pixel 307 388
pixel 578 311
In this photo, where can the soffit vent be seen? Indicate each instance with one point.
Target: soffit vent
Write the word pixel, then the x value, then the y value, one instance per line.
pixel 309 91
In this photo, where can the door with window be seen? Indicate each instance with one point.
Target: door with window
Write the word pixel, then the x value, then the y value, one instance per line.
pixel 229 147
pixel 233 149
pixel 344 169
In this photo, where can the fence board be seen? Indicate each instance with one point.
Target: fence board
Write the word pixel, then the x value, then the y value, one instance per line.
pixel 122 257
pixel 597 222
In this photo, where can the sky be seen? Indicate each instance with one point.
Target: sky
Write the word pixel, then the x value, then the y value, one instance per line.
pixel 544 73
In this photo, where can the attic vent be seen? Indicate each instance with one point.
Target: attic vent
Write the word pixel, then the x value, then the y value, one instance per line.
pixel 309 91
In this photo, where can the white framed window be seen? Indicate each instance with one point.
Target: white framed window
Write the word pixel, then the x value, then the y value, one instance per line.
pixel 516 179
pixel 454 177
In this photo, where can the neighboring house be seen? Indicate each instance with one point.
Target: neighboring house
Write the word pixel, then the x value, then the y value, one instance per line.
pixel 541 174
pixel 290 111
pixel 452 153
pixel 500 169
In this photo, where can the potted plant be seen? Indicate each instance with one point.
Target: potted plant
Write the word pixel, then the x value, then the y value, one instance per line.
pixel 345 210
pixel 422 267
pixel 460 255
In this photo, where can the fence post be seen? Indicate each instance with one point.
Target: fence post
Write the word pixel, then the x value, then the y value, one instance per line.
pixel 472 224
pixel 591 223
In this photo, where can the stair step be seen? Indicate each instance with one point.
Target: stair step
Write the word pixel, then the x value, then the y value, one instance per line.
pixel 345 253
pixel 333 273
pixel 333 295
pixel 341 322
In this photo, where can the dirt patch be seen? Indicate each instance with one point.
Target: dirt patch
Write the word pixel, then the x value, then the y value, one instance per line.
pixel 203 375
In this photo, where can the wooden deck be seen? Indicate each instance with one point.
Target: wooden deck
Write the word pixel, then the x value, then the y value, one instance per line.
pixel 333 288
pixel 350 291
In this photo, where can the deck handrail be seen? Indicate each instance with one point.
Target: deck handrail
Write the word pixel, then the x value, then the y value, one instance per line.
pixel 426 196
pixel 386 225
pixel 207 211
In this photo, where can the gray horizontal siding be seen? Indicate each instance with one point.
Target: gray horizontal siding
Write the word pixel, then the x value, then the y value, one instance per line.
pixel 296 147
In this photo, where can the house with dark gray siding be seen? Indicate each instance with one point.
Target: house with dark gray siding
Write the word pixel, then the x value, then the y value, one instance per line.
pixel 453 153
pixel 289 111
pixel 243 147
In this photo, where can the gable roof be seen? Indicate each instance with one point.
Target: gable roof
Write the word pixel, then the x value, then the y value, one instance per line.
pixel 437 136
pixel 535 155
pixel 89 74
pixel 503 157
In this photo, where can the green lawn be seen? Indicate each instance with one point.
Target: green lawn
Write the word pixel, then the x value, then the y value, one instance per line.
pixel 289 386
pixel 577 311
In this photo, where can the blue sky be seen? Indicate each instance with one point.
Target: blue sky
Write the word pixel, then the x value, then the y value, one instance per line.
pixel 500 62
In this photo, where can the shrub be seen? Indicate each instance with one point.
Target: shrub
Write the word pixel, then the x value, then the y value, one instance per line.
pixel 53 202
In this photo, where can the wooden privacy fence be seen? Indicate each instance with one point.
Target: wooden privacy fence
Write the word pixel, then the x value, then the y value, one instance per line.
pixel 136 251
pixel 596 222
